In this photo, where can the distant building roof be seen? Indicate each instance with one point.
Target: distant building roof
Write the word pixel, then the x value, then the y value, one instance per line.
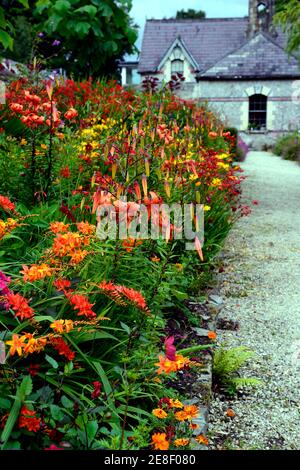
pixel 219 47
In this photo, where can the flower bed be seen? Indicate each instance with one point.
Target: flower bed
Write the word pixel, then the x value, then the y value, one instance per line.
pixel 90 360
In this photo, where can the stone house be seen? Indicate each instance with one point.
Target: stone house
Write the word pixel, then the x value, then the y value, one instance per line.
pixel 238 65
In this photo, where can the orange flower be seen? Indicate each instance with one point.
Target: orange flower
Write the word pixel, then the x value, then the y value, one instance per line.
pixel 175 403
pixel 65 243
pixel 62 326
pixel 123 295
pixel 155 259
pixel 202 439
pixel 194 426
pixel 78 256
pixel 6 204
pixel 159 441
pixel 36 272
pixel 159 413
pixel 16 345
pixel 86 228
pixel 230 413
pixel 212 335
pixel 81 303
pixel 165 365
pixel 59 227
pixel 33 344
pixel 181 415
pixel 191 411
pixel 181 442
pixel 20 305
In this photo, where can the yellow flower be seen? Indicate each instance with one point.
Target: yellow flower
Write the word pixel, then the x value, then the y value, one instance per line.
pixel 207 208
pixel 159 413
pixel 23 142
pixel 215 182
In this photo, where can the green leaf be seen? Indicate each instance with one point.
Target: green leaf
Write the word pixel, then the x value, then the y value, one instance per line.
pixel 125 327
pixel 93 336
pixel 106 9
pixel 82 28
pixel 91 429
pixel 25 387
pixel 24 3
pixel 6 40
pixel 51 361
pixel 57 413
pixel 5 404
pixel 89 9
pixel 66 402
pixel 62 6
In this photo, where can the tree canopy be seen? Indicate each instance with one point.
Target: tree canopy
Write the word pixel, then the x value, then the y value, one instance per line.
pixel 190 14
pixel 82 37
pixel 288 17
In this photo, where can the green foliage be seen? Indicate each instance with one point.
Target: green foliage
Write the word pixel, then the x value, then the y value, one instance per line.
pixel 226 366
pixel 7 31
pixel 288 147
pixel 190 14
pixel 84 38
pixel 288 17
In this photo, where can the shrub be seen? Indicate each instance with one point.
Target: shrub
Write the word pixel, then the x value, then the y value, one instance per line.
pixel 288 147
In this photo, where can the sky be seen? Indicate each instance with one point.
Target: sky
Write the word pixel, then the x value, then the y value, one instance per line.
pixel 146 9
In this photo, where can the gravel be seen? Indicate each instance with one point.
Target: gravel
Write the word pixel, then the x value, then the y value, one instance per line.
pixel 260 286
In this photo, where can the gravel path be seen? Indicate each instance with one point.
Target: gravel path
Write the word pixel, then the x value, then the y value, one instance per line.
pixel 261 289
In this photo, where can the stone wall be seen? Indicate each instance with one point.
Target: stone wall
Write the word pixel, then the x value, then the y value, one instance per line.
pixel 230 101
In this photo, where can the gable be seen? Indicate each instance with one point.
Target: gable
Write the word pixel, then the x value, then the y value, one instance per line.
pixel 207 41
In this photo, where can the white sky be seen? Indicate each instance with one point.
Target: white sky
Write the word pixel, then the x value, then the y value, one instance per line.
pixel 146 9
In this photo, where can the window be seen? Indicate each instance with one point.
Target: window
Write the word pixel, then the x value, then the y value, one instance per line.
pixel 258 112
pixel 261 9
pixel 177 66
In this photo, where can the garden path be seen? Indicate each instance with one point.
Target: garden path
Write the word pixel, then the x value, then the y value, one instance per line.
pixel 261 289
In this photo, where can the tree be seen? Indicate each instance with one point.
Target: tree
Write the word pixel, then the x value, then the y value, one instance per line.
pixel 85 38
pixel 6 27
pixel 288 17
pixel 190 14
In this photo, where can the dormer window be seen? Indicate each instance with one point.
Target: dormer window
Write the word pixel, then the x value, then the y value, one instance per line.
pixel 177 66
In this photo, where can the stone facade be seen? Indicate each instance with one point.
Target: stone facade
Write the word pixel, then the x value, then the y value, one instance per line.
pixel 230 100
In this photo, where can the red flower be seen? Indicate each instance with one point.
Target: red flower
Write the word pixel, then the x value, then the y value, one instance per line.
pixel 62 284
pixel 54 447
pixel 65 172
pixel 62 348
pixel 170 348
pixel 29 420
pixel 33 369
pixel 6 204
pixel 97 390
pixel 71 114
pixel 20 305
pixel 81 303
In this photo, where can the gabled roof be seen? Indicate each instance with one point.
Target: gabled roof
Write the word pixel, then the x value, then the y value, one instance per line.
pixel 178 43
pixel 218 46
pixel 261 57
pixel 207 40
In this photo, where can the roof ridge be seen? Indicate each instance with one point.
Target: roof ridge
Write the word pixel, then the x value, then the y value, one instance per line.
pixel 195 20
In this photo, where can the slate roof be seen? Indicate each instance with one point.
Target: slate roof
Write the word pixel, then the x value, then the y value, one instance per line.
pixel 219 46
pixel 259 57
